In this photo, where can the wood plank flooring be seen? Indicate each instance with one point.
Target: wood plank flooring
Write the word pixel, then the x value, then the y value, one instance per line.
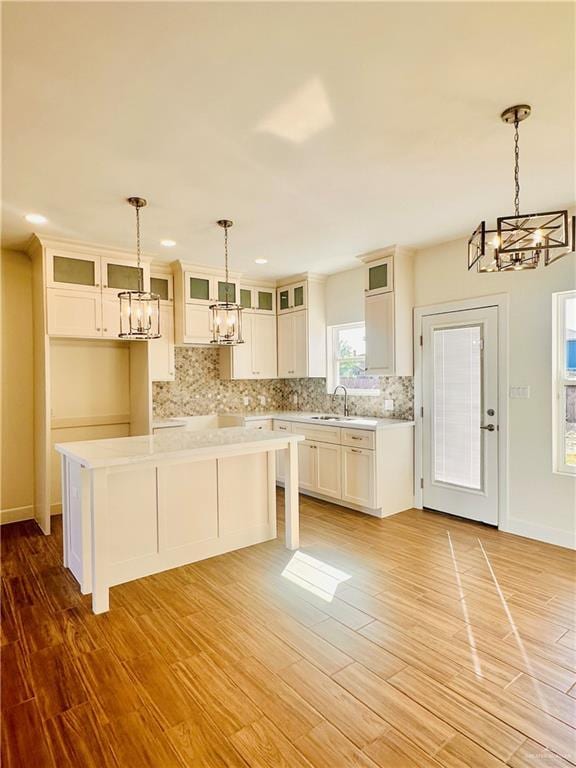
pixel 413 642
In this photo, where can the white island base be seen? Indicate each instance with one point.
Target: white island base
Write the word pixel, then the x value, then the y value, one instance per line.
pixel 134 506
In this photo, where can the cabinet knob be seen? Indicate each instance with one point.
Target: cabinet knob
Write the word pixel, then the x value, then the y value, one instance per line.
pixel 105 330
pixel 104 286
pixel 97 329
pixel 355 450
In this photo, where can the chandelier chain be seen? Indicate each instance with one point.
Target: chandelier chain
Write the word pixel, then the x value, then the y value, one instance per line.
pixel 516 168
pixel 140 285
pixel 226 256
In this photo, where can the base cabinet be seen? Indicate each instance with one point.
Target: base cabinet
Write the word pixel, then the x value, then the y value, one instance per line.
pixel 358 476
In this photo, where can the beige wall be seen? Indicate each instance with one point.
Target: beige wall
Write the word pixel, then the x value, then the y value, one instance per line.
pixel 17 457
pixel 542 503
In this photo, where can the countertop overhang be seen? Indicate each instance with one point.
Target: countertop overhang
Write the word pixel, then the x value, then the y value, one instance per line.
pixel 171 444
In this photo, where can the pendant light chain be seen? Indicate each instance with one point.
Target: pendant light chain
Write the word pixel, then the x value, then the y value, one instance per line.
pixel 226 256
pixel 140 284
pixel 516 168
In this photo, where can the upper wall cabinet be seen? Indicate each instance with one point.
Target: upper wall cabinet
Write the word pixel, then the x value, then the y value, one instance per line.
pixel 258 298
pixel 389 305
pixel 301 328
pixel 292 297
pixel 162 364
pixel 195 289
pixel 82 290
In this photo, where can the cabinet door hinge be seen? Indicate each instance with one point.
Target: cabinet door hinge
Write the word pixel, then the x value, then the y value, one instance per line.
pixel 421 340
pixel 421 482
pixel 422 411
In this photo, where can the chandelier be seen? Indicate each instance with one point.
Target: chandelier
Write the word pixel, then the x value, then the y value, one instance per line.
pixel 139 310
pixel 520 241
pixel 226 315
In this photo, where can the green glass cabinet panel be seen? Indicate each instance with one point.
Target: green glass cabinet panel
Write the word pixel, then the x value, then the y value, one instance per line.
pixel 159 286
pixel 124 277
pixel 245 298
pixel 284 300
pixel 226 292
pixel 265 300
pixel 378 277
pixel 200 288
pixel 75 271
pixel 299 296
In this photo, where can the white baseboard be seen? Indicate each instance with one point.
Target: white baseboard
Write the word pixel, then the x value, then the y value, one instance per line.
pixel 17 514
pixel 541 533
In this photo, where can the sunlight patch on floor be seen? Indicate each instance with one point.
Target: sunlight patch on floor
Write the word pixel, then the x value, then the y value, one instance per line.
pixel 314 575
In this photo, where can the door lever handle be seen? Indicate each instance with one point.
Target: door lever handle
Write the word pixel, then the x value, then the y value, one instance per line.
pixel 489 427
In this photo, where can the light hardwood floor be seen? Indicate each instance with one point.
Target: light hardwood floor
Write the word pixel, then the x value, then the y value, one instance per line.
pixel 416 641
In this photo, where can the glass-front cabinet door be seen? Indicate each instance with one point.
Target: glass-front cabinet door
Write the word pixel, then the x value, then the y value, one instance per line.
pixel 119 275
pixel 258 299
pixel 162 286
pixel 380 276
pixel 75 271
pixel 292 297
pixel 202 288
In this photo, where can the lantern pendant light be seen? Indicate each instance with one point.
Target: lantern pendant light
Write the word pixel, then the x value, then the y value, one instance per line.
pixel 519 241
pixel 139 310
pixel 226 315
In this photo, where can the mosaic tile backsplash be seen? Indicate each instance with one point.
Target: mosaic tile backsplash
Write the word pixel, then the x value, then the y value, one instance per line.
pixel 198 390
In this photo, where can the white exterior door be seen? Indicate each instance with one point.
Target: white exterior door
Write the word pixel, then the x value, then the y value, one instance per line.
pixel 460 419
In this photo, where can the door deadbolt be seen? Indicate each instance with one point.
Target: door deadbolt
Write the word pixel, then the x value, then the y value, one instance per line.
pixel 490 411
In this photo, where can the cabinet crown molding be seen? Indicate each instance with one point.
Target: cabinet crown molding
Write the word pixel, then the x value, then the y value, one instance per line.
pixel 389 250
pixel 63 245
pixel 203 269
pixel 311 277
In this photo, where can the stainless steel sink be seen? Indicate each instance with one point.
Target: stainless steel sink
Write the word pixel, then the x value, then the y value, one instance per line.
pixel 327 418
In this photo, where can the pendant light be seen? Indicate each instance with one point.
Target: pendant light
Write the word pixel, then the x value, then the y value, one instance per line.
pixel 139 310
pixel 226 315
pixel 519 241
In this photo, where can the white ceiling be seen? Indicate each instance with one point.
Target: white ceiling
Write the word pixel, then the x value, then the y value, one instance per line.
pixel 324 130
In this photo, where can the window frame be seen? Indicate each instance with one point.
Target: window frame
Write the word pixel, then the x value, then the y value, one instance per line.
pixel 332 368
pixel 560 383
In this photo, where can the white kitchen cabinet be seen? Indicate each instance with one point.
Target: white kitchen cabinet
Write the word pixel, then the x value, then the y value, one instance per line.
pixel 74 313
pixel 280 426
pixel 198 324
pixel 293 345
pixel 258 298
pixel 293 297
pixel 358 476
pixel 206 288
pixel 110 317
pixel 328 470
pixel 72 271
pixel 307 452
pixel 389 304
pixel 162 367
pixel 121 275
pixel 379 329
pixel 256 357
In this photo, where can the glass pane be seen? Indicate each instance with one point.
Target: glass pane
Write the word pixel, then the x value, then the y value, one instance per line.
pixel 159 285
pixel 199 288
pixel 245 298
pixel 226 291
pixel 570 433
pixel 299 296
pixel 124 277
pixel 378 277
pixel 457 403
pixel 284 303
pixel 76 271
pixel 570 336
pixel 265 300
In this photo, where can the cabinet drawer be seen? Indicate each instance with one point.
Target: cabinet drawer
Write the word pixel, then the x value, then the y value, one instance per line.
pixel 360 438
pixel 282 426
pixel 321 434
pixel 259 424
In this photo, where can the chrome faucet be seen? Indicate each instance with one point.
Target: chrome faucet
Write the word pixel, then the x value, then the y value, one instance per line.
pixel 341 386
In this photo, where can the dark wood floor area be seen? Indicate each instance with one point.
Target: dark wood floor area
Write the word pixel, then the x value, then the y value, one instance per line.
pixel 415 641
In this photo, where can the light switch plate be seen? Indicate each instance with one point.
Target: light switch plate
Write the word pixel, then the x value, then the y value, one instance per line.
pixel 388 405
pixel 246 400
pixel 520 392
pixel 262 399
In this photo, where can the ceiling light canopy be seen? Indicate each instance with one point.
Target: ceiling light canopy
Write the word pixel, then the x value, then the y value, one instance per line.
pixel 226 314
pixel 139 310
pixel 168 243
pixel 260 261
pixel 519 241
pixel 36 218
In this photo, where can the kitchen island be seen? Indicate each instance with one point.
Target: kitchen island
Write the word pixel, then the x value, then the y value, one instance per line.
pixel 133 506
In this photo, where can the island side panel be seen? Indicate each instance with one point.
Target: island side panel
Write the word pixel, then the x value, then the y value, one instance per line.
pixel 291 497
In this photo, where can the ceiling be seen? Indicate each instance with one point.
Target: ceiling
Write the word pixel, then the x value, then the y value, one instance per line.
pixel 324 130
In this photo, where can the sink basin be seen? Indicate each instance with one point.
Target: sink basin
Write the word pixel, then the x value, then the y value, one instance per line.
pixel 328 418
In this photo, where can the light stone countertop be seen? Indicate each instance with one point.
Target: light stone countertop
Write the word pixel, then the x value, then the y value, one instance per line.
pixel 169 444
pixel 352 422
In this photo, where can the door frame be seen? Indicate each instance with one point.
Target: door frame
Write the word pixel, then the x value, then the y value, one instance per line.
pixel 501 301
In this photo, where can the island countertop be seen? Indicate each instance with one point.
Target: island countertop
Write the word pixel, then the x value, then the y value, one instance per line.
pixel 166 444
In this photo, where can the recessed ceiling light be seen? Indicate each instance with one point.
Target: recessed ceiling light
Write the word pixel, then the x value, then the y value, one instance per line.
pixel 260 261
pixel 36 218
pixel 168 243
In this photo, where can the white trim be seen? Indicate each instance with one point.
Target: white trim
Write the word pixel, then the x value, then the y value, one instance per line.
pixel 541 533
pixel 500 300
pixel 559 384
pixel 17 514
pixel 331 376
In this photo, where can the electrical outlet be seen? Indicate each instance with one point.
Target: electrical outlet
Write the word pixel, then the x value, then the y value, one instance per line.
pixel 295 398
pixel 388 405
pixel 262 399
pixel 246 400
